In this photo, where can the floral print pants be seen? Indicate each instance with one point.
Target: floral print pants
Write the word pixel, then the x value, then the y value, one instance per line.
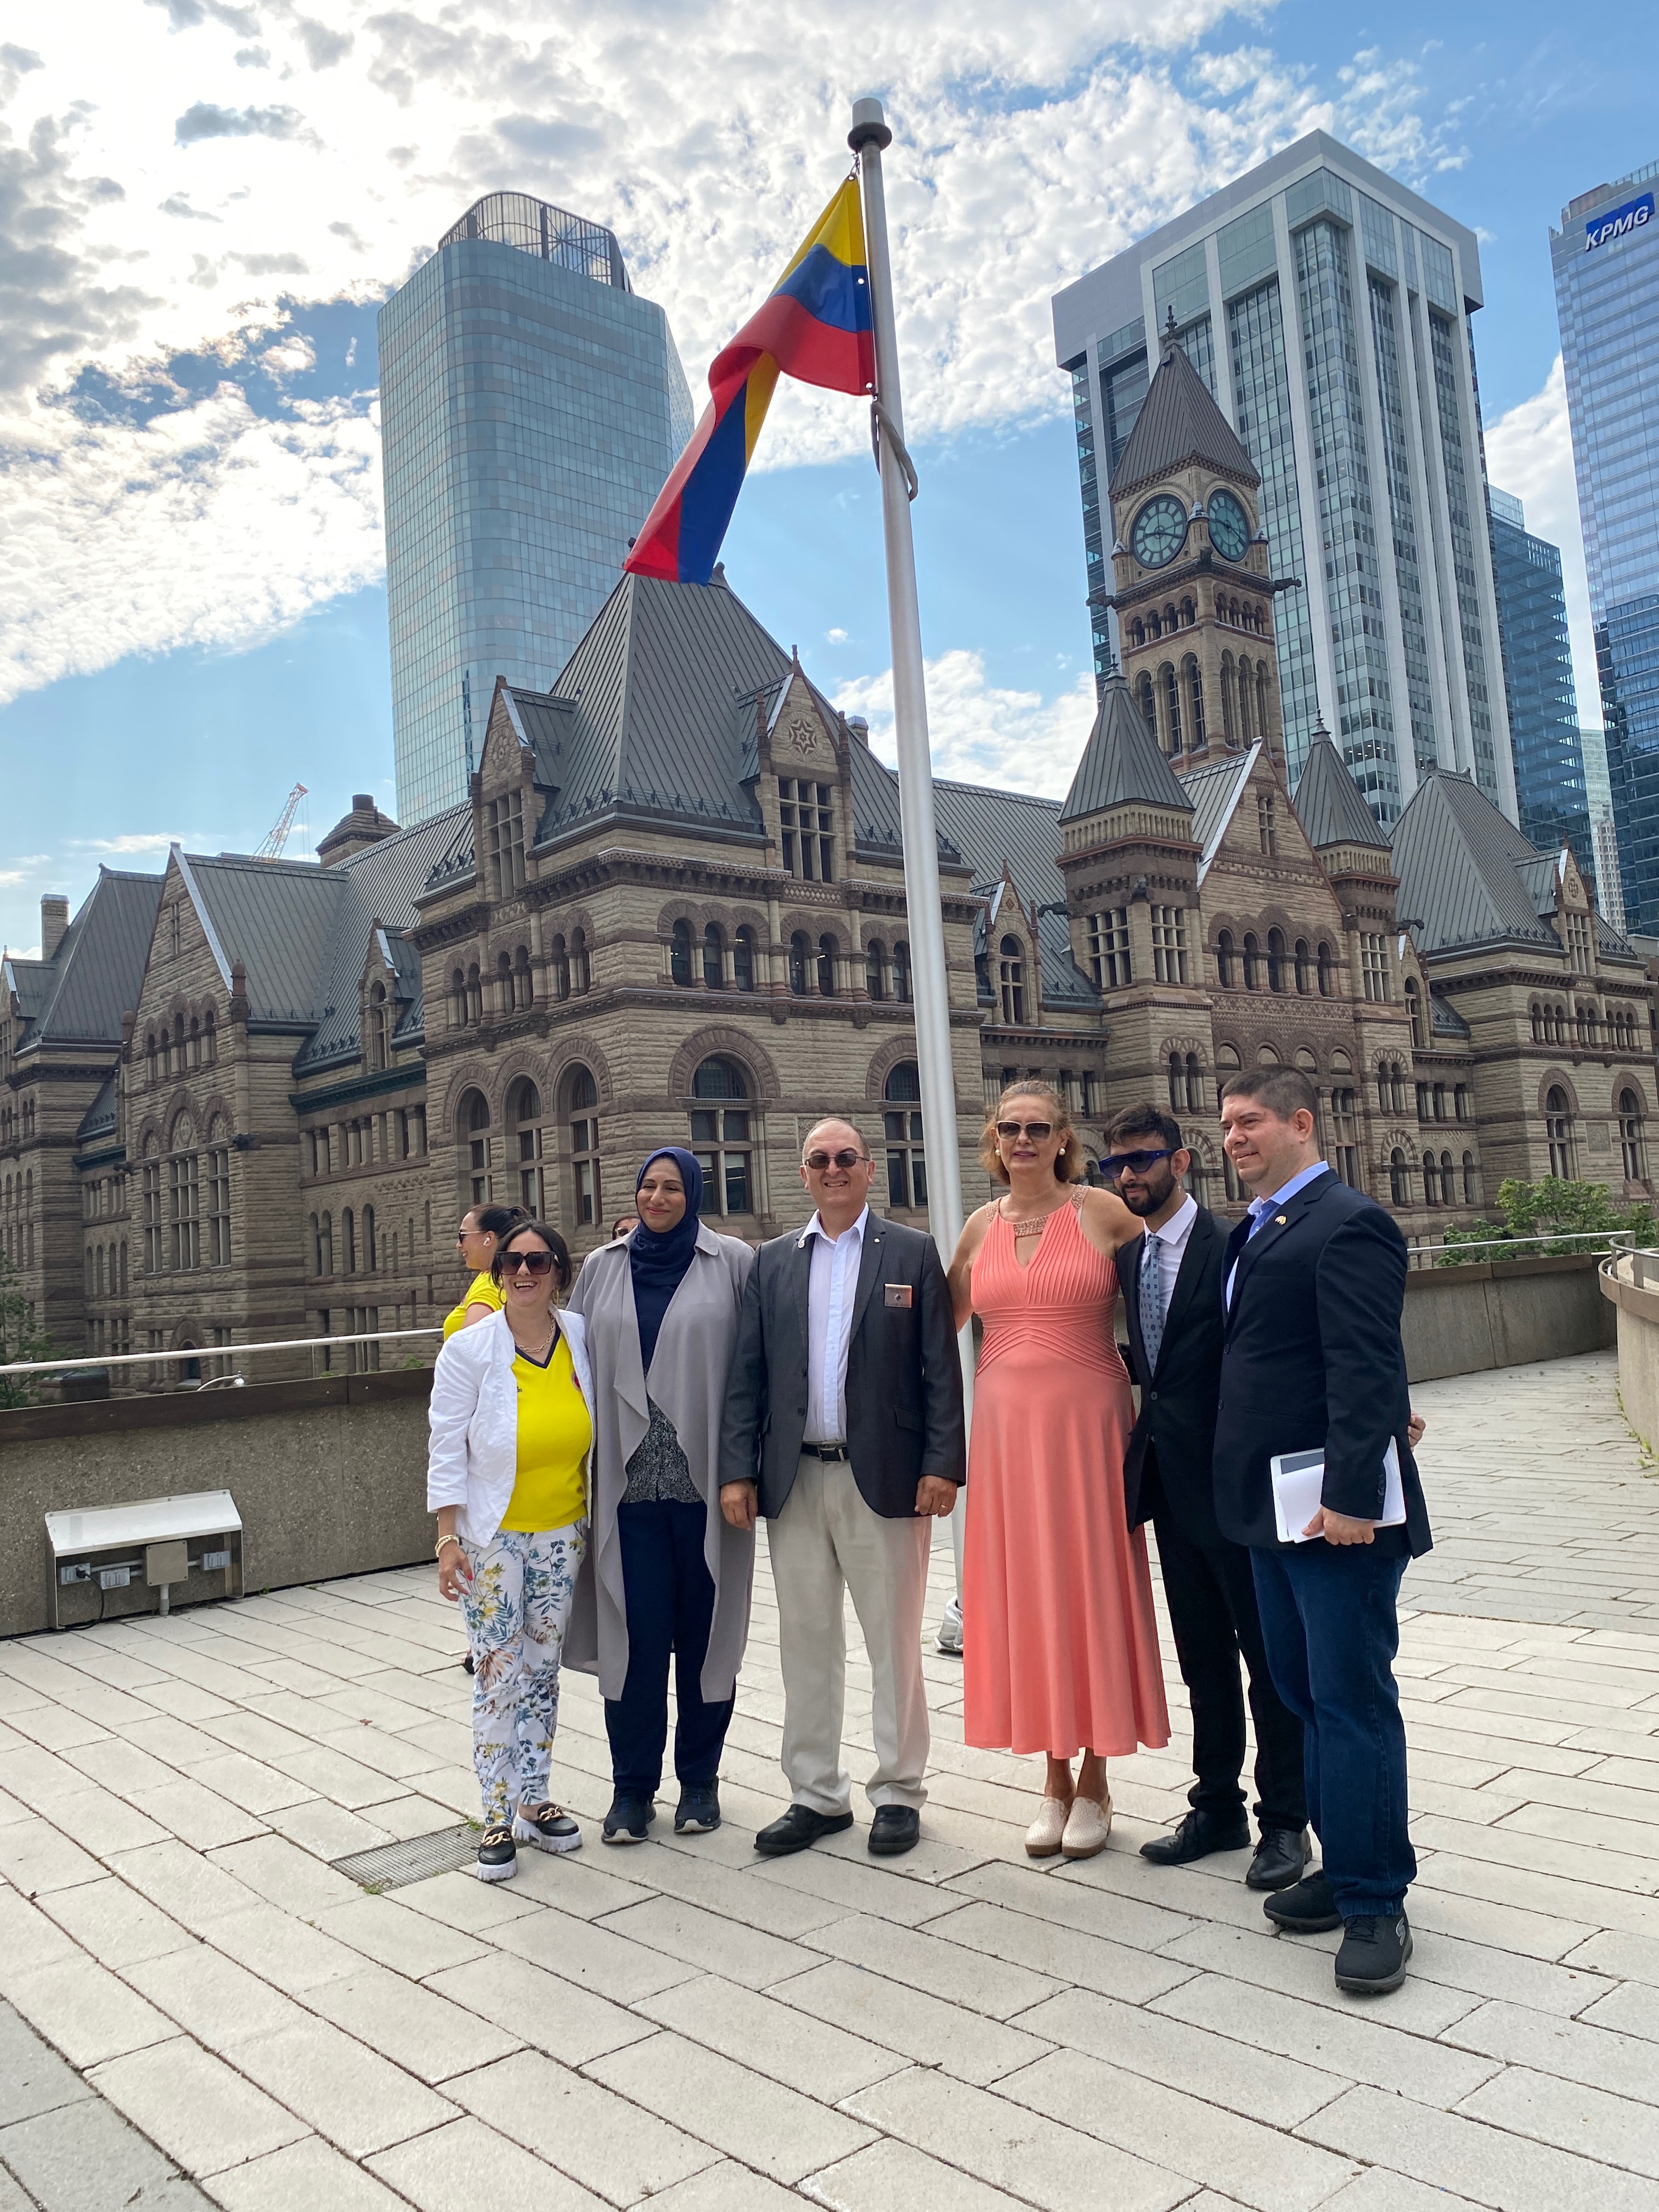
pixel 517 1606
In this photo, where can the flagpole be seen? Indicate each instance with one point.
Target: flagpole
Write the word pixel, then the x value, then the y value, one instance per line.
pixel 868 137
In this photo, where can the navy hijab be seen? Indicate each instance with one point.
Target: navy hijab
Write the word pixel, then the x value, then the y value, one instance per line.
pixel 658 1262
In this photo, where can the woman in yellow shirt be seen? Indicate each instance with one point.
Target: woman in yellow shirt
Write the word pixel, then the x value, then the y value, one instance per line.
pixel 506 1476
pixel 477 1240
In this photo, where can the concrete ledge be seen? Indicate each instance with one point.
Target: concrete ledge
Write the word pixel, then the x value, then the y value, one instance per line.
pixel 1635 1315
pixel 329 1476
pixel 1503 1313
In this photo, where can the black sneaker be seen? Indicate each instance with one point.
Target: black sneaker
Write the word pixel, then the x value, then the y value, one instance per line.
pixel 630 1817
pixel 549 1828
pixel 498 1860
pixel 1372 1958
pixel 1306 1908
pixel 699 1808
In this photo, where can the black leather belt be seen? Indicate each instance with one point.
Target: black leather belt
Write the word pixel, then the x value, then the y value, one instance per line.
pixel 826 1451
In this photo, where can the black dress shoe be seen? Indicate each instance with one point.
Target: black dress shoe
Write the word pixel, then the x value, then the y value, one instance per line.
pixel 895 1828
pixel 794 1830
pixel 1195 1837
pixel 1281 1857
pixel 1372 1958
pixel 1307 1908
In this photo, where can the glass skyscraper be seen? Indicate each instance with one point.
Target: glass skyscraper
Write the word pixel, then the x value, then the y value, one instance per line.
pixel 1532 617
pixel 1329 310
pixel 531 404
pixel 1606 258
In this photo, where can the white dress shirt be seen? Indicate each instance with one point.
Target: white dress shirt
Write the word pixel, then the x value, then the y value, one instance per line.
pixel 831 1289
pixel 1173 1237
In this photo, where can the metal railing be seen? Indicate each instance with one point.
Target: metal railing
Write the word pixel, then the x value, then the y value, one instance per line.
pixel 1589 1242
pixel 206 1353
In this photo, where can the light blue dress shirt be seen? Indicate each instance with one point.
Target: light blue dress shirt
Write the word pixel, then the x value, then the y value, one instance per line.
pixel 1261 1208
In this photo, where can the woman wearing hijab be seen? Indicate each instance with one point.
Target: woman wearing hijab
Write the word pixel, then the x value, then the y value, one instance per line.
pixel 667 1572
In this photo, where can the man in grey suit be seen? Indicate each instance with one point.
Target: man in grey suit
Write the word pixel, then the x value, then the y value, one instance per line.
pixel 844 1426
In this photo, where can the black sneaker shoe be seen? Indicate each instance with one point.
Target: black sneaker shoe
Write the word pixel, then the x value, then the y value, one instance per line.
pixel 1307 1908
pixel 498 1860
pixel 549 1828
pixel 1194 1836
pixel 628 1819
pixel 699 1808
pixel 1372 1958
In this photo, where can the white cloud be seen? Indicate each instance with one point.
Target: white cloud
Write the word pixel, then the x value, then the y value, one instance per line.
pixel 979 732
pixel 1529 452
pixel 835 636
pixel 319 162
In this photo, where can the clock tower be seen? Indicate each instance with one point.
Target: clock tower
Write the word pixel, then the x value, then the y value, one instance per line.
pixel 1192 590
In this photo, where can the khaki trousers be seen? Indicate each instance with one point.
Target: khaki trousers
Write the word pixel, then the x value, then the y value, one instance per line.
pixel 825 1543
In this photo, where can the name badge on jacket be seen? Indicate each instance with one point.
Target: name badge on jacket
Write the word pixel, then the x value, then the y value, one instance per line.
pixel 897 1294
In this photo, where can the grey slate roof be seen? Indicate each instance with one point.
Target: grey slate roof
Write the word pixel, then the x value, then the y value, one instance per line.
pixel 1329 805
pixel 99 1120
pixel 1121 761
pixel 1446 1020
pixel 1212 793
pixel 1466 872
pixel 994 829
pixel 381 884
pixel 93 978
pixel 276 918
pixel 1179 423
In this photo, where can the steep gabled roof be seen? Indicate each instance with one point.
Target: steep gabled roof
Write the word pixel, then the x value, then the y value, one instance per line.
pixel 1463 869
pixel 1121 762
pixel 1212 793
pixel 1014 830
pixel 1328 802
pixel 1179 423
pixel 94 975
pixel 274 918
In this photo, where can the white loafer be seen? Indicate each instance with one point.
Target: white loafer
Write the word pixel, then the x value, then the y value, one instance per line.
pixel 1043 1837
pixel 1087 1827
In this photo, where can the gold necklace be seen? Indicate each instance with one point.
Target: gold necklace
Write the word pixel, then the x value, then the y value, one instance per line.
pixel 540 1358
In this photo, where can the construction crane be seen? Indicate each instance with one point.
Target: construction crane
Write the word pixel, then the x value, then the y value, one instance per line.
pixel 272 847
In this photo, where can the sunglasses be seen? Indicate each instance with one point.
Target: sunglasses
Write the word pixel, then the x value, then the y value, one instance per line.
pixel 528 1263
pixel 1132 1162
pixel 1036 1131
pixel 817 1162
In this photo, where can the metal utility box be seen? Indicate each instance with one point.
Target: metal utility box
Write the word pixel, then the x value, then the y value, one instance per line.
pixel 161 1539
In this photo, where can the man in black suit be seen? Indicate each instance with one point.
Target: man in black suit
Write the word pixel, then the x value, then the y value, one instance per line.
pixel 1313 1286
pixel 843 1424
pixel 1171 1283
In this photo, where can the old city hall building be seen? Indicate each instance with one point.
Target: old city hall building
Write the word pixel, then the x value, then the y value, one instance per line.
pixel 244 1100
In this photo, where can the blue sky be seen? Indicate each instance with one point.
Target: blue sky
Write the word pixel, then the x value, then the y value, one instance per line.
pixel 190 602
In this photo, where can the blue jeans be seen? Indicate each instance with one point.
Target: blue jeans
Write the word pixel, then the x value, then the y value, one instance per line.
pixel 670 1597
pixel 1328 1620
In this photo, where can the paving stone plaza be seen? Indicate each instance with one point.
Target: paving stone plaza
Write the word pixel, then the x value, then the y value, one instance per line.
pixel 199 2008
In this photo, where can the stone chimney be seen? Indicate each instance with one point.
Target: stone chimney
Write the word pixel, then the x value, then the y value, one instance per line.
pixel 354 832
pixel 859 729
pixel 54 920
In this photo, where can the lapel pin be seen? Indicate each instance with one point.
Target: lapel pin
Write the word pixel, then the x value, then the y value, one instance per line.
pixel 1281 1220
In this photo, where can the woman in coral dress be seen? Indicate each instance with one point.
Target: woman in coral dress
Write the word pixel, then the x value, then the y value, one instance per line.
pixel 1060 1653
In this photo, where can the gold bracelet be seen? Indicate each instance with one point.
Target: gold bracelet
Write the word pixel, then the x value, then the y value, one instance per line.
pixel 438 1548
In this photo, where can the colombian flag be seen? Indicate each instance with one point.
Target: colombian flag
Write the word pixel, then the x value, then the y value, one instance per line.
pixel 815 326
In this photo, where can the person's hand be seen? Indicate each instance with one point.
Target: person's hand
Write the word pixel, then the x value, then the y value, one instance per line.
pixel 1414 1429
pixel 936 1494
pixel 453 1572
pixel 738 1503
pixel 1340 1528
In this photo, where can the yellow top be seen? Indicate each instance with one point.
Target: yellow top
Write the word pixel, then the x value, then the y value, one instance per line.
pixel 480 1292
pixel 554 1432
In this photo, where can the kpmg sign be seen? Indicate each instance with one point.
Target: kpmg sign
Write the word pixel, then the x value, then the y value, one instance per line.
pixel 1635 215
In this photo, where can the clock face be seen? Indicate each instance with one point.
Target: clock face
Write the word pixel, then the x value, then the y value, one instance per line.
pixel 1229 527
pixel 1159 532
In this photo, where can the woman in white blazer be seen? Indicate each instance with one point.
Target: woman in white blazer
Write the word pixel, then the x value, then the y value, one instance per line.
pixel 507 1475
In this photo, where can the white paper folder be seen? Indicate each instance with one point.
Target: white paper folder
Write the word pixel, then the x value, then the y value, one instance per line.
pixel 1299 1477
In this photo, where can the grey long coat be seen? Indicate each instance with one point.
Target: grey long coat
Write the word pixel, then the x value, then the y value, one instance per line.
pixel 689 1369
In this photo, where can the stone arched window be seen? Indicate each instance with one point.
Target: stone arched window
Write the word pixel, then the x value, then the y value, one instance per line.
pixel 1195 1084
pixel 1193 684
pixel 1471 1181
pixel 723 1136
pixel 875 968
pixel 1414 1008
pixel 829 951
pixel 524 1116
pixel 742 960
pixel 347 1242
pixel 1011 980
pixel 218 1195
pixel 679 954
pixel 1171 691
pixel 371 1250
pixel 1252 962
pixel 1633 1136
pixel 209 1038
pixel 474 993
pixel 1327 970
pixel 579 1112
pixel 1558 1130
pixel 1430 1180
pixel 558 967
pixel 524 989
pixel 1275 959
pixel 1399 1190
pixel 1177 1083
pixel 1261 696
pixel 1226 960
pixel 800 954
pixel 1147 704
pixel 503 984
pixel 457 996
pixel 902 972
pixel 714 956
pixel 581 964
pixel 325 1245
pixel 377 1042
pixel 900 1120
pixel 1304 967
pixel 473 1120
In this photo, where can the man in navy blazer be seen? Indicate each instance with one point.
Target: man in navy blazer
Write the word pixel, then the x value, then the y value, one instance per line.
pixel 1313 1284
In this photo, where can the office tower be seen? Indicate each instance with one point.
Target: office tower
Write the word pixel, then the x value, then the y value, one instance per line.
pixel 1532 622
pixel 1604 833
pixel 1327 309
pixel 532 403
pixel 1606 258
